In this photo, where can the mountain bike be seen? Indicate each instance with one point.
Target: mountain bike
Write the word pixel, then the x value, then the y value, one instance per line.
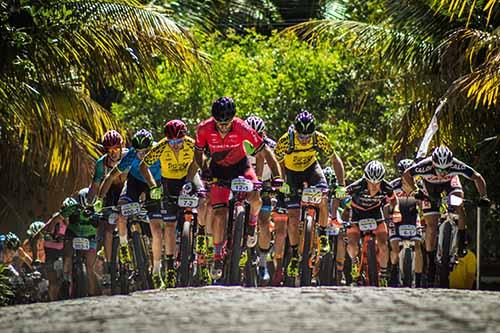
pixel 188 203
pixel 369 266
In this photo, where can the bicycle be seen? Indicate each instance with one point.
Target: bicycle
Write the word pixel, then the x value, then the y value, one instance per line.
pixel 369 266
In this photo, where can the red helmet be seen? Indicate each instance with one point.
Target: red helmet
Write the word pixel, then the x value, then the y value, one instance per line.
pixel 175 129
pixel 112 139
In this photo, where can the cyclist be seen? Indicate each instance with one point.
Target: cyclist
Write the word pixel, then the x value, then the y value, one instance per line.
pixel 33 246
pixel 409 213
pixel 298 151
pixel 264 174
pixel 9 245
pixel 369 196
pixel 229 140
pixel 112 142
pixel 440 173
pixel 79 224
pixel 334 209
pixel 135 186
pixel 178 170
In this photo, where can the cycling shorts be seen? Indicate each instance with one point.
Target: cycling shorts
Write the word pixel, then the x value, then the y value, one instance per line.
pixel 357 215
pixel 313 176
pixel 431 206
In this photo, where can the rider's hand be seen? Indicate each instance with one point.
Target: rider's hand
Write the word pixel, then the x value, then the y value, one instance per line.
pixel 420 195
pixel 340 192
pixel 98 205
pixel 285 188
pixel 484 201
pixel 396 217
pixel 156 192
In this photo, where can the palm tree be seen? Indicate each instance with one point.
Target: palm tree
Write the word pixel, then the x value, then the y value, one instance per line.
pixel 433 50
pixel 54 54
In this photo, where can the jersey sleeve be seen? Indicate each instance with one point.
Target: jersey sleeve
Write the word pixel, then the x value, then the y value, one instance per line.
pixel 252 137
pixel 325 146
pixel 99 171
pixel 460 168
pixel 282 147
pixel 201 139
pixel 154 154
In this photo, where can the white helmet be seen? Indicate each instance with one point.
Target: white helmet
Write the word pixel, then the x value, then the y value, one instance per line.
pixel 442 157
pixel 374 172
pixel 82 197
pixel 256 123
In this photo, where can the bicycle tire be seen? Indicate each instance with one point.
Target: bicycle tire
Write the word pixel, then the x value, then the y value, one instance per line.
pixel 444 266
pixel 251 279
pixel 185 254
pixel 234 277
pixel 305 270
pixel 113 267
pixel 288 281
pixel 407 268
pixel 123 280
pixel 80 275
pixel 371 256
pixel 140 261
pixel 347 269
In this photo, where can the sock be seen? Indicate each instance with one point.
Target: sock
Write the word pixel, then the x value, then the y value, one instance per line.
pixel 340 264
pixel 383 272
pixel 156 266
pixel 123 240
pixel 263 257
pixel 355 260
pixel 201 230
pixel 431 264
pixel 218 249
pixel 295 250
pixel 170 261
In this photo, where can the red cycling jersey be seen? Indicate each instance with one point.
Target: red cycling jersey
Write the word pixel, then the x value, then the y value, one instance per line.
pixel 229 150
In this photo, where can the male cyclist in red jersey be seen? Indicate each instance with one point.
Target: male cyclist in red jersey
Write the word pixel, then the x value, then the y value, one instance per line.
pixel 229 140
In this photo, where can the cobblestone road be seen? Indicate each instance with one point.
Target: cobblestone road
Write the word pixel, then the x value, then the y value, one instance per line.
pixel 231 309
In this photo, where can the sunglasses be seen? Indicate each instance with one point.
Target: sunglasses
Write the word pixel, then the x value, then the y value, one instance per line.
pixel 176 141
pixel 224 123
pixel 114 149
pixel 304 137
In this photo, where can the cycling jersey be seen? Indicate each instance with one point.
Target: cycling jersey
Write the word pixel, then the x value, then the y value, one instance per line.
pixel 102 168
pixel 229 150
pixel 427 171
pixel 361 198
pixel 409 214
pixel 80 225
pixel 130 163
pixel 266 173
pixel 303 155
pixel 172 167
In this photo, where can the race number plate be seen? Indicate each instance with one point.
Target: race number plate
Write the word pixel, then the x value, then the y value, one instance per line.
pixel 312 195
pixel 187 201
pixel 241 185
pixel 112 218
pixel 81 244
pixel 332 230
pixel 367 225
pixel 130 209
pixel 406 230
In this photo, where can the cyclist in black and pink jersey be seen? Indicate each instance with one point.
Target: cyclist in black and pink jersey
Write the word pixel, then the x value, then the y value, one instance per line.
pixel 440 173
pixel 229 140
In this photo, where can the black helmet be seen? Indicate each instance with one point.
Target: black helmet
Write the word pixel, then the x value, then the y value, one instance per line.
pixel 223 109
pixel 304 123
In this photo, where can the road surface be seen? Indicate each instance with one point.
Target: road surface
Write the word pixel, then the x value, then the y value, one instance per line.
pixel 231 309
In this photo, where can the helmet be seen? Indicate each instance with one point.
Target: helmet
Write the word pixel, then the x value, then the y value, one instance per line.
pixel 12 241
pixel 34 228
pixel 142 139
pixel 374 172
pixel 256 123
pixel 69 207
pixel 329 175
pixel 175 129
pixel 405 164
pixel 223 109
pixel 112 139
pixel 304 123
pixel 442 157
pixel 82 196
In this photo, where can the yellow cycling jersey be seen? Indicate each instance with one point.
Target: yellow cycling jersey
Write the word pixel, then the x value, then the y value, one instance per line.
pixel 302 156
pixel 172 167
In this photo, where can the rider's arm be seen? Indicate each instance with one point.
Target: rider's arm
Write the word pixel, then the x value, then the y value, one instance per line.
pixel 408 181
pixel 198 158
pixel 269 157
pixel 192 170
pixel 338 167
pixel 148 176
pixel 108 180
pixel 97 180
pixel 259 165
pixel 480 183
pixel 94 188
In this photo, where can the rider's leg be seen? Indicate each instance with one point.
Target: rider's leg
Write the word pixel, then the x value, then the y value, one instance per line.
pixel 90 257
pixel 255 205
pixel 383 254
pixel 157 239
pixel 353 236
pixel 264 237
pixel 394 262
pixel 430 245
pixel 419 264
pixel 340 257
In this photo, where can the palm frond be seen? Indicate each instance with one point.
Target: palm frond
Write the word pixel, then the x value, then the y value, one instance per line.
pixel 458 9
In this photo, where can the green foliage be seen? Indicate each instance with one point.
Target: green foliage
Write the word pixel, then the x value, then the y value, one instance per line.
pixel 5 288
pixel 274 78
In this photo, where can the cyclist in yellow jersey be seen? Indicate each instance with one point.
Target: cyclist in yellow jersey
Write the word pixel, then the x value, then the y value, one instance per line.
pixel 178 171
pixel 298 151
